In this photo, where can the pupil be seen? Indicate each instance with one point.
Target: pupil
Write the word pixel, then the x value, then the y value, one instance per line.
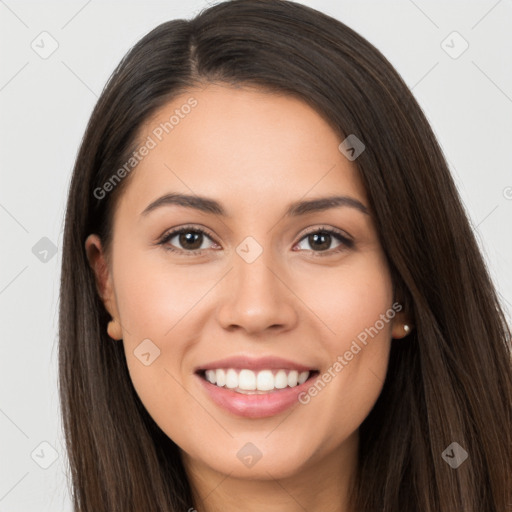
pixel 323 236
pixel 188 238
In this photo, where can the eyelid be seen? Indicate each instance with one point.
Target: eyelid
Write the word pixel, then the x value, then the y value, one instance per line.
pixel 323 228
pixel 190 227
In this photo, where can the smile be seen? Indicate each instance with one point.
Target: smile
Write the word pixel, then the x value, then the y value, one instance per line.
pixel 255 402
pixel 250 382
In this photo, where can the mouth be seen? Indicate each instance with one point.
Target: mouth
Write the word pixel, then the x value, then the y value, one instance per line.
pixel 250 382
pixel 255 394
pixel 255 387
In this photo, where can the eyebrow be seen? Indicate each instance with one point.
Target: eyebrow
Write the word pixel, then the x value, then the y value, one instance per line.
pixel 295 209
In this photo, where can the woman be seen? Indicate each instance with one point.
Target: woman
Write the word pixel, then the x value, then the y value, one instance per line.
pixel 271 296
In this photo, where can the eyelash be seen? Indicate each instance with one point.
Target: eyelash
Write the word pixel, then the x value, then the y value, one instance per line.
pixel 346 243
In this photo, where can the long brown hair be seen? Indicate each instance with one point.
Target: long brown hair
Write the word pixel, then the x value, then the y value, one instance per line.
pixel 449 381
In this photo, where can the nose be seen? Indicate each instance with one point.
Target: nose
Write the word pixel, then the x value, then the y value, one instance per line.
pixel 257 297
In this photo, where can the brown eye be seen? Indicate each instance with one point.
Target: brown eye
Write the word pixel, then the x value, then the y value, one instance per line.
pixel 189 240
pixel 320 241
pixel 185 240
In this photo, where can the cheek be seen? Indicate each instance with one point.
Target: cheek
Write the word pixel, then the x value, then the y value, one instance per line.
pixel 156 302
pixel 153 295
pixel 350 299
pixel 355 308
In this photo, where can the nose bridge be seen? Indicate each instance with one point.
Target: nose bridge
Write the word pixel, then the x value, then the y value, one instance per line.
pixel 254 281
pixel 257 297
pixel 252 268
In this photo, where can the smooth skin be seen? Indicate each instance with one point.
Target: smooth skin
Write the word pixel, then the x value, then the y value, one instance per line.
pixel 255 153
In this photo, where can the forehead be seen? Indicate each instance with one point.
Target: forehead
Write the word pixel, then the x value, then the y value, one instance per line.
pixel 240 144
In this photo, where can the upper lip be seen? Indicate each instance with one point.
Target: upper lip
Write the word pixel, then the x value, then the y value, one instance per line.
pixel 253 363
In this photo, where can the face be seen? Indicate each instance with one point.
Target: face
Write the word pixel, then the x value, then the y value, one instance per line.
pixel 280 288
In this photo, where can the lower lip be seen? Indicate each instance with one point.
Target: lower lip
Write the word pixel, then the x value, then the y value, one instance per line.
pixel 255 405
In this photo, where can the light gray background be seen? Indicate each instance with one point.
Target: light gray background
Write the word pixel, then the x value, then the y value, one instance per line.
pixel 45 105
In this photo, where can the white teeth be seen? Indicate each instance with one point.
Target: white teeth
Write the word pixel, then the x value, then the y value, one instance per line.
pixel 265 380
pixel 293 377
pixel 211 376
pixel 281 380
pixel 248 380
pixel 220 377
pixel 231 379
pixel 303 377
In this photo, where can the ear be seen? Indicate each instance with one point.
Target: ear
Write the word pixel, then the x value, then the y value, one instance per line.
pixel 104 285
